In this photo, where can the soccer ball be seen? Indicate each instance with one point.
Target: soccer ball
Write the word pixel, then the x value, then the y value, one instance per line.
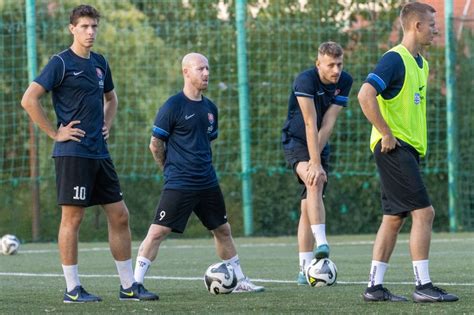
pixel 10 244
pixel 220 278
pixel 321 272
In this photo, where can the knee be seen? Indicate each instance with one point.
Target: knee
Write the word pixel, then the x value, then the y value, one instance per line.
pixel 157 234
pixel 425 215
pixel 71 221
pixel 315 189
pixel 120 218
pixel 393 222
pixel 430 212
pixel 222 231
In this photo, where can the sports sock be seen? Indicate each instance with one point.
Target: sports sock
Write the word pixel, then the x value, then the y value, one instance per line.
pixel 377 272
pixel 141 267
pixel 421 271
pixel 125 271
pixel 72 276
pixel 235 263
pixel 319 232
pixel 305 259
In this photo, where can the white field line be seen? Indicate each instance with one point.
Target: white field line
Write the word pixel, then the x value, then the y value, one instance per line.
pixel 58 275
pixel 247 245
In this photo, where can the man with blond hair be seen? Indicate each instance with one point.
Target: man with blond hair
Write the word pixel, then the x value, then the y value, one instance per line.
pixel 393 98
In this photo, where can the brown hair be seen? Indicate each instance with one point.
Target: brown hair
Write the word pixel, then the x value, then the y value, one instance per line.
pixel 83 10
pixel 332 49
pixel 412 10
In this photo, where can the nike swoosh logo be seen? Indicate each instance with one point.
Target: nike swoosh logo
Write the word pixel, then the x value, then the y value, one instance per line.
pixel 127 293
pixel 320 93
pixel 73 297
pixel 421 87
pixel 78 73
pixel 187 117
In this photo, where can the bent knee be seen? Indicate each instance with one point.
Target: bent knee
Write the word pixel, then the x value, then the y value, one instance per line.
pixel 315 189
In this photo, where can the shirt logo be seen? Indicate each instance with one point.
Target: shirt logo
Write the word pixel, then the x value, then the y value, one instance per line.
pixel 189 116
pixel 417 99
pixel 100 75
pixel 336 92
pixel 210 117
pixel 421 88
pixel 320 93
pixel 77 73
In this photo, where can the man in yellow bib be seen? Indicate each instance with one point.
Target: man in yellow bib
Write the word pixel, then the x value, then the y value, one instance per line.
pixel 393 98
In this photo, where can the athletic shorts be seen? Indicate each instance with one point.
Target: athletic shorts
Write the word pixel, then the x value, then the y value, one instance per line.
pixel 175 207
pixel 86 182
pixel 301 154
pixel 402 186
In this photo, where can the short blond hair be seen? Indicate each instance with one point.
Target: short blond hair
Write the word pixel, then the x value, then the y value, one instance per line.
pixel 414 10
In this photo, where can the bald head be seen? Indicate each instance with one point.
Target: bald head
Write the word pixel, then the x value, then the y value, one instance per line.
pixel 191 59
pixel 195 68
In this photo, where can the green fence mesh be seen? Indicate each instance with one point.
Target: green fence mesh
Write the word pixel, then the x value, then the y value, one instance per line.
pixel 144 42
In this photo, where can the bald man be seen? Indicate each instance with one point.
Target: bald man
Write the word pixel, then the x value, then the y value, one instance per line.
pixel 181 146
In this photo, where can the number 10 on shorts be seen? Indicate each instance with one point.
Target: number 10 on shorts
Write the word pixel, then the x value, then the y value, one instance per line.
pixel 79 193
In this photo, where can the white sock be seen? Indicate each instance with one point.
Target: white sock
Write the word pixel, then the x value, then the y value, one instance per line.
pixel 305 259
pixel 421 271
pixel 319 232
pixel 125 271
pixel 377 272
pixel 235 263
pixel 72 277
pixel 141 267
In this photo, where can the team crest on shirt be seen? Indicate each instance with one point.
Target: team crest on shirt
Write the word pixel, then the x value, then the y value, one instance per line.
pixel 417 99
pixel 210 117
pixel 100 76
pixel 337 91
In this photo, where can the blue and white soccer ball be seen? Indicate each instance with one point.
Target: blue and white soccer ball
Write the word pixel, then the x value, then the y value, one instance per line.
pixel 220 278
pixel 321 272
pixel 9 244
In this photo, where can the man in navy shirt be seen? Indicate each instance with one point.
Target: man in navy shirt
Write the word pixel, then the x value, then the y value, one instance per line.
pixel 181 146
pixel 317 97
pixel 85 104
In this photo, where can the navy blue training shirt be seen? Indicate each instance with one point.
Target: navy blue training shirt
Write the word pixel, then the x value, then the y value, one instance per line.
pixel 187 127
pixel 78 86
pixel 389 74
pixel 308 84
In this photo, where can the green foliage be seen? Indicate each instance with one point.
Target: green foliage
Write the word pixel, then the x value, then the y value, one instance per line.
pixel 144 41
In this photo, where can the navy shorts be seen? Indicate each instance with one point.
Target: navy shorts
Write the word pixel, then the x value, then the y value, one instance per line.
pixel 86 182
pixel 300 154
pixel 402 186
pixel 175 208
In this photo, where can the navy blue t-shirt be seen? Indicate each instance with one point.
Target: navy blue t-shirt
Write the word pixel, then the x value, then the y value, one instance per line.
pixel 78 86
pixel 308 84
pixel 389 74
pixel 187 127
